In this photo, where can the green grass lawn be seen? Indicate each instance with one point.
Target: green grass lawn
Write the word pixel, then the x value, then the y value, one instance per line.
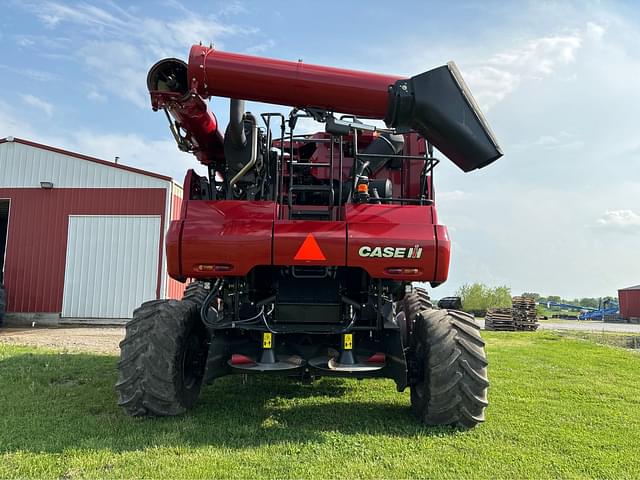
pixel 560 407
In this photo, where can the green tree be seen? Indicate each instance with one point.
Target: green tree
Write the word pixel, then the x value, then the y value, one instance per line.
pixel 478 297
pixel 589 302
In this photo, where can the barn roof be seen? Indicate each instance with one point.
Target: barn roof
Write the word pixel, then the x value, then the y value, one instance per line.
pixel 84 157
pixel 635 287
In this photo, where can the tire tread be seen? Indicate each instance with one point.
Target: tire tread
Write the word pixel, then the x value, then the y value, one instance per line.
pixel 454 388
pixel 148 366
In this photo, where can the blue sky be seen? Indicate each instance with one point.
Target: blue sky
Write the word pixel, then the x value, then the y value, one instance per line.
pixel 559 214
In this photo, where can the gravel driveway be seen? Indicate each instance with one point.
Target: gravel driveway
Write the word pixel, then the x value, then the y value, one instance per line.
pixel 584 326
pixel 589 326
pixel 106 339
pixel 91 339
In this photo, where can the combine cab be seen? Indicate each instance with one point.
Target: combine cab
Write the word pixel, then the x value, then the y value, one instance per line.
pixel 302 250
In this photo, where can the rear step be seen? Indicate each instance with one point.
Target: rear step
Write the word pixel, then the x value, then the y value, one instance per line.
pixel 247 364
pixel 358 364
pixel 343 361
pixel 292 362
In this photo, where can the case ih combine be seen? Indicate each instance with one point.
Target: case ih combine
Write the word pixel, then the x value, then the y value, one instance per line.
pixel 303 248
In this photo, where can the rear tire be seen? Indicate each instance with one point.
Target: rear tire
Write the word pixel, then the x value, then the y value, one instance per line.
pixel 450 352
pixel 162 360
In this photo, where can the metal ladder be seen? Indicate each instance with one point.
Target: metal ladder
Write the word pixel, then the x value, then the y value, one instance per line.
pixel 311 212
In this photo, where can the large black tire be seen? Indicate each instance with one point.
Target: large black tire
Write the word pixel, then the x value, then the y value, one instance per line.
pixel 195 293
pixel 162 359
pixel 416 301
pixel 3 303
pixel 450 352
pixel 407 310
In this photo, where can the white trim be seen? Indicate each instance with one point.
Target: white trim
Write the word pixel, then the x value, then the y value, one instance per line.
pixel 164 285
pixel 118 216
pixel 6 238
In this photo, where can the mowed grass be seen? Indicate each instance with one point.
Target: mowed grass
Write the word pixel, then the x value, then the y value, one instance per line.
pixel 559 408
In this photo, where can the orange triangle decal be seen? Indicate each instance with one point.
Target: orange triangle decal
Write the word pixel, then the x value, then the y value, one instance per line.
pixel 309 250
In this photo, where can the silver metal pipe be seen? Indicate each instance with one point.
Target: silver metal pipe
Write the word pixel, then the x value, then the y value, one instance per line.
pixel 254 152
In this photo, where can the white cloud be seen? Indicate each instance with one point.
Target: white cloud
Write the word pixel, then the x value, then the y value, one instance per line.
pixel 503 72
pixel 53 13
pixel 233 8
pixel 121 45
pixel 620 219
pixel 452 195
pixel 136 151
pixel 24 41
pixel 261 47
pixel 96 96
pixel 38 103
pixel 11 125
pixel 595 30
pixel 560 140
pixel 37 75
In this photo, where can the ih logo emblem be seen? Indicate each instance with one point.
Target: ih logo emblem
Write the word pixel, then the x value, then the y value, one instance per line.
pixel 390 252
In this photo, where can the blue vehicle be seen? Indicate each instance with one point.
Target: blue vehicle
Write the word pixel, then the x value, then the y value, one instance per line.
pixel 608 307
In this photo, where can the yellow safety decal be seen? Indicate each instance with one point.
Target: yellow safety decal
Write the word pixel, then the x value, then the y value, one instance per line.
pixel 266 340
pixel 347 341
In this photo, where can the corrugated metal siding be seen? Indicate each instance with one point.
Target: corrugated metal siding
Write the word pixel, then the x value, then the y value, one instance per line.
pixel 629 303
pixel 37 237
pixel 26 166
pixel 175 289
pixel 111 265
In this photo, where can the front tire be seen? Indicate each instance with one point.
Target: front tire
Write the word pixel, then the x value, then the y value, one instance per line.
pixel 162 360
pixel 195 293
pixel 450 354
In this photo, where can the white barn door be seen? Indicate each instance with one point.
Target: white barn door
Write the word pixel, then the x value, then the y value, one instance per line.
pixel 112 265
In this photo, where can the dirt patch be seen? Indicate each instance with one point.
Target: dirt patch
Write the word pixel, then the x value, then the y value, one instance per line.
pixel 91 339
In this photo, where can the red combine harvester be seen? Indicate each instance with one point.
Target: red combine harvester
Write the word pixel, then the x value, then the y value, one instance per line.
pixel 303 248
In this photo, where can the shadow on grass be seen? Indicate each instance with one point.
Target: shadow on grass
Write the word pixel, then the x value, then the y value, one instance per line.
pixel 55 401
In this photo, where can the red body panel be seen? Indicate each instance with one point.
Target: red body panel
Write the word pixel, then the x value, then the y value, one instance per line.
pixel 392 226
pixel 175 289
pixel 240 235
pixel 443 254
pixel 174 260
pixel 231 236
pixel 289 83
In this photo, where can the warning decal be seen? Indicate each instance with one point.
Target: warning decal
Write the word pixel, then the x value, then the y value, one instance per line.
pixel 309 250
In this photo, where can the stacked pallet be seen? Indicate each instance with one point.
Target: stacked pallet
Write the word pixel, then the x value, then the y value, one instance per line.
pixel 499 319
pixel 524 313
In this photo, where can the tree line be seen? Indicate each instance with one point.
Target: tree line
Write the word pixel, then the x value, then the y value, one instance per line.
pixel 477 298
pixel 589 302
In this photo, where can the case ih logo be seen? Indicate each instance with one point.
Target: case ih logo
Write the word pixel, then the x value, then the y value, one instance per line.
pixel 390 252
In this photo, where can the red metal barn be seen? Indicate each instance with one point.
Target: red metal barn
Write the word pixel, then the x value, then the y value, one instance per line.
pixel 629 299
pixel 81 238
